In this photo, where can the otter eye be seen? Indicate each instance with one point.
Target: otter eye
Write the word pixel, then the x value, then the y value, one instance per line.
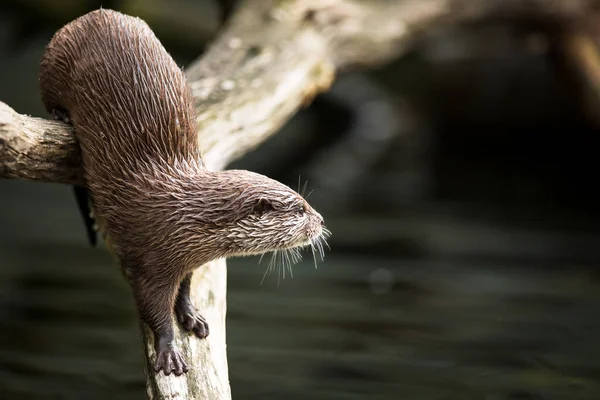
pixel 300 209
pixel 262 206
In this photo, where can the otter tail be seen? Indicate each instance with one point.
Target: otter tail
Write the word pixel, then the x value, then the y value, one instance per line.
pixel 83 201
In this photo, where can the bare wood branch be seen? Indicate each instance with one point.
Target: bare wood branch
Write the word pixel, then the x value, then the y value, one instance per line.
pixel 578 60
pixel 208 377
pixel 273 57
pixel 33 148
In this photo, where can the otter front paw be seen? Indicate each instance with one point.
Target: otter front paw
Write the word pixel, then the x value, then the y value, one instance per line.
pixel 191 320
pixel 170 360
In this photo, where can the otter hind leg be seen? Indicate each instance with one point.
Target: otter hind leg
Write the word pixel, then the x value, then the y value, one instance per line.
pixel 187 315
pixel 82 196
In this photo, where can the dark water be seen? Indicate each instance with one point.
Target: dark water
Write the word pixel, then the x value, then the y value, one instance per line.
pixel 446 327
pixel 68 322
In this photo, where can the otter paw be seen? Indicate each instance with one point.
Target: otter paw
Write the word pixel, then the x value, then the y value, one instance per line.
pixel 170 360
pixel 61 115
pixel 191 320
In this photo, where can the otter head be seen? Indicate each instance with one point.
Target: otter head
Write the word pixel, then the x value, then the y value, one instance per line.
pixel 248 214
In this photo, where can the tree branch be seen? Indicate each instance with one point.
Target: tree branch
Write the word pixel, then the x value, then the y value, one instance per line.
pixel 37 149
pixel 272 57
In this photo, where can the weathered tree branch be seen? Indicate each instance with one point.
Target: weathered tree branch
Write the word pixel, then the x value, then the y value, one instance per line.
pixel 33 148
pixel 578 58
pixel 272 58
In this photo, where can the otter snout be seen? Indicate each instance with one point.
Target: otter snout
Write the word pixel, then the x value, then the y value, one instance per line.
pixel 313 216
pixel 321 220
pixel 316 224
pixel 318 220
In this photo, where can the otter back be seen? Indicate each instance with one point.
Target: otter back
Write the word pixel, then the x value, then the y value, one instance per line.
pixel 123 92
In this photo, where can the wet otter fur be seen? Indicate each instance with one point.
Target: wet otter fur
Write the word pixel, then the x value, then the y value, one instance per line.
pixel 162 212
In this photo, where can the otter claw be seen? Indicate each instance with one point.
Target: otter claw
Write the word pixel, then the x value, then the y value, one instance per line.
pixel 191 320
pixel 170 360
pixel 61 115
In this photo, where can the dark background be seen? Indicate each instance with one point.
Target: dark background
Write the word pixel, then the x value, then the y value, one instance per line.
pixel 460 186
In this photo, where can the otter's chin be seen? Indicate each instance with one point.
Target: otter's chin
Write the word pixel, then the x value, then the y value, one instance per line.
pixel 306 240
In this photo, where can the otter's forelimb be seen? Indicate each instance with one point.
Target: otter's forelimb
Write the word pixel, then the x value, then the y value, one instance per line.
pixel 155 297
pixel 187 315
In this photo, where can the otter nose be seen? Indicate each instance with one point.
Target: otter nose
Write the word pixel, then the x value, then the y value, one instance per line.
pixel 321 220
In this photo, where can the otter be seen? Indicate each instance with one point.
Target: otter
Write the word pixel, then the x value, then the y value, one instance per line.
pixel 158 208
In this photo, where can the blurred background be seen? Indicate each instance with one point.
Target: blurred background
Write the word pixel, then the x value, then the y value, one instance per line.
pixel 459 184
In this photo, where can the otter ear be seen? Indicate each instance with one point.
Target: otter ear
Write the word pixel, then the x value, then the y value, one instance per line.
pixel 262 206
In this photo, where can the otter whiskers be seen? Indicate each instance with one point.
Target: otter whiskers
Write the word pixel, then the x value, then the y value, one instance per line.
pixel 282 260
pixel 304 187
pixel 316 245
